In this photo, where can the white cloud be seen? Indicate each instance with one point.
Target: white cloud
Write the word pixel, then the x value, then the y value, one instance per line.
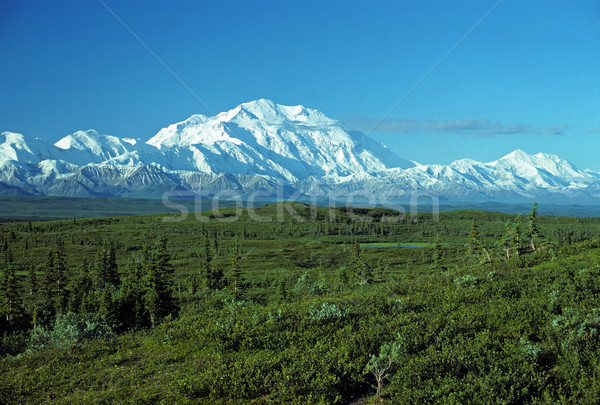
pixel 475 127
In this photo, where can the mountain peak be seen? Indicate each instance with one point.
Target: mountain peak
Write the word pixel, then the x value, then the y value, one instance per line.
pixel 262 137
pixel 517 154
pixel 272 113
pixel 79 140
pixel 12 138
pixel 261 103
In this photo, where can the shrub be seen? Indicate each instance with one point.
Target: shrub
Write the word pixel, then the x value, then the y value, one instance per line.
pixel 328 312
pixel 466 281
pixel 69 331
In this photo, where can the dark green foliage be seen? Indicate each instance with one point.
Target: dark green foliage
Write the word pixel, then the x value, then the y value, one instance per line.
pixel 311 312
pixel 105 267
pixel 108 306
pixel 282 291
pixel 55 280
pixel 533 231
pixel 213 274
pixel 158 285
pixel 236 275
pixel 83 285
pixel 131 302
pixel 11 303
pixel 33 286
pixel 438 256
pixel 362 272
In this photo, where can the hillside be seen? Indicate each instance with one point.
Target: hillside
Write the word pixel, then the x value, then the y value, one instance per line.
pixel 291 309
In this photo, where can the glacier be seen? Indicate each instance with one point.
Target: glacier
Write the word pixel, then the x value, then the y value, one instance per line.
pixel 261 146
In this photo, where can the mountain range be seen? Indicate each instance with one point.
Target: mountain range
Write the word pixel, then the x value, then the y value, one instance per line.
pixel 273 149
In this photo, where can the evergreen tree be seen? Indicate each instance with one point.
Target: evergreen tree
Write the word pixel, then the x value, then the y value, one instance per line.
pixel 48 278
pixel 206 270
pixel 237 278
pixel 8 256
pixel 215 278
pixel 474 242
pixel 505 242
pixel 282 292
pixel 343 278
pixel 533 231
pixel 55 279
pixel 106 271
pixel 32 281
pixel 380 270
pixel 207 250
pixel 82 286
pixel 163 259
pixel 158 296
pixel 477 252
pixel 61 277
pixel 362 271
pixel 108 306
pixel 216 242
pixel 11 304
pixel 89 303
pixel 131 306
pixel 438 256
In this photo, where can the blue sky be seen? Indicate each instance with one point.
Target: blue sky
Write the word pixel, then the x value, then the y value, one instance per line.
pixel 527 77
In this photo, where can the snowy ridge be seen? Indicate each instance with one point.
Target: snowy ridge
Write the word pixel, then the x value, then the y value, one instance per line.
pixel 259 145
pixel 262 137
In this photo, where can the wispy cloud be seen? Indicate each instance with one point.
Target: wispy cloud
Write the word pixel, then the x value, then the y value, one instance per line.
pixel 473 127
pixel 593 131
pixel 555 130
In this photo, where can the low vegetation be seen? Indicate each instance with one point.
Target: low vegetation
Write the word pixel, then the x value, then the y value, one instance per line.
pixel 306 306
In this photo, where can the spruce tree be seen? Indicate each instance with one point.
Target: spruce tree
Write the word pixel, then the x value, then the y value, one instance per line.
pixel 476 249
pixel 158 296
pixel 206 271
pixel 474 242
pixel 106 271
pixel 215 278
pixel 12 306
pixel 32 281
pixel 48 280
pixel 380 270
pixel 82 286
pixel 362 272
pixel 237 279
pixel 505 242
pixel 438 256
pixel 131 305
pixel 343 279
pixel 533 231
pixel 61 277
pixel 282 292
pixel 108 306
pixel 54 292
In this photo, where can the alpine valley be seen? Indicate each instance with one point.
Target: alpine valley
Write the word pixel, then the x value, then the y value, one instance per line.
pixel 274 150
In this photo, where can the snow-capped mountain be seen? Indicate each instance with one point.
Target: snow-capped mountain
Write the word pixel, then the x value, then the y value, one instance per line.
pixel 263 146
pixel 89 146
pixel 265 138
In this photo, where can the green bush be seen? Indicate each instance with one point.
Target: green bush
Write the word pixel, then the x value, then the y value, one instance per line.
pixel 69 331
